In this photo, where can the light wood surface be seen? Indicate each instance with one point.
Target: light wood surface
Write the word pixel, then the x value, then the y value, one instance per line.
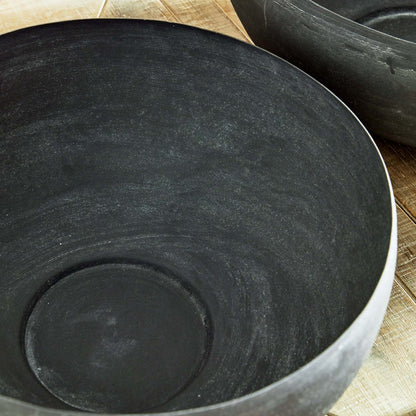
pixel 16 14
pixel 142 9
pixel 201 13
pixel 386 384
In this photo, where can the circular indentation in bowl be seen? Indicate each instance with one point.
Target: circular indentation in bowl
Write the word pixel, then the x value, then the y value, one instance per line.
pixel 117 338
pixel 396 21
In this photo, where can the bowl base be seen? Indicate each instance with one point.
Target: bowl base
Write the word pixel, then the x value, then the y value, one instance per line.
pixel 117 338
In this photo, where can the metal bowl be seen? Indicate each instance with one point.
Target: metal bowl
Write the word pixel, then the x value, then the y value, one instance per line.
pixel 364 51
pixel 188 224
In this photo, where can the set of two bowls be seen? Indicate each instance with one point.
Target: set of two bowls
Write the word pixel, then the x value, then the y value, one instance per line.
pixel 191 225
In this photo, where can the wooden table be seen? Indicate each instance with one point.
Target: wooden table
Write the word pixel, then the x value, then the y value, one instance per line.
pixel 386 384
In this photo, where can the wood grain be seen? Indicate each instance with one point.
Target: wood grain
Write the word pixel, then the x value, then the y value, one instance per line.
pixel 228 9
pixel 206 14
pixel 406 266
pixel 16 14
pixel 141 9
pixel 401 163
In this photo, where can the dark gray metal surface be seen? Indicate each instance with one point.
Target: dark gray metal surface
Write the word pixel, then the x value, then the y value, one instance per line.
pixel 211 191
pixel 373 72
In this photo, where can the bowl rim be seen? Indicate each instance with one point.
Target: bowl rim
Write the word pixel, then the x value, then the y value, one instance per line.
pixel 316 9
pixel 385 280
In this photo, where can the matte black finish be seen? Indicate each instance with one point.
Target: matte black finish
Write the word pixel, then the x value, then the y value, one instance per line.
pixel 129 327
pixel 185 220
pixel 364 51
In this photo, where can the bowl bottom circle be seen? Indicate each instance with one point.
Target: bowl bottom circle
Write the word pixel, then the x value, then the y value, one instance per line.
pixel 117 338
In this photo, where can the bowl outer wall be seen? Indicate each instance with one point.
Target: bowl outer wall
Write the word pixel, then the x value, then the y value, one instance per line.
pixel 372 72
pixel 312 389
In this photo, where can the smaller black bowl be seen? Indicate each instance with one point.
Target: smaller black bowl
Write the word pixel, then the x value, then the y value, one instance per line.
pixel 364 51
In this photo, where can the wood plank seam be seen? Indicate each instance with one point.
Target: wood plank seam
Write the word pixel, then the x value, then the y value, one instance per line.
pixel 403 207
pixel 103 4
pixel 405 288
pixel 228 17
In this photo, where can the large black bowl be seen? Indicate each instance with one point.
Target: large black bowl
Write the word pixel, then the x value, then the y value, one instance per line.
pixel 363 50
pixel 187 222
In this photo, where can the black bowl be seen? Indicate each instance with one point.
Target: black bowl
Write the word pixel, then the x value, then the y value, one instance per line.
pixel 364 51
pixel 187 222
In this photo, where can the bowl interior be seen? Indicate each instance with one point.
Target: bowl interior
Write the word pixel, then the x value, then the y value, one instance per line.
pixel 394 17
pixel 185 218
